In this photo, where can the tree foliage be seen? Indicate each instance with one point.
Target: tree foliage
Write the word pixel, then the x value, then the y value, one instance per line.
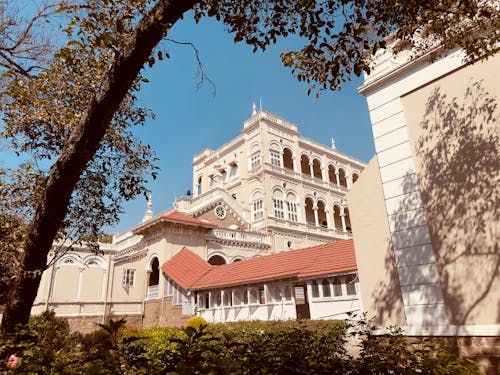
pixel 71 114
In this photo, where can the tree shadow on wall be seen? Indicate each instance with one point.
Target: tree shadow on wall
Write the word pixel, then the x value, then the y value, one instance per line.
pixel 387 294
pixel 459 179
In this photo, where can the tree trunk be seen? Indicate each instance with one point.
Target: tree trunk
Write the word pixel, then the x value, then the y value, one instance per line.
pixel 79 150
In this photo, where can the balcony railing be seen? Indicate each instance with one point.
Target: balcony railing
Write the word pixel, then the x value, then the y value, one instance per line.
pixel 234 235
pixel 153 291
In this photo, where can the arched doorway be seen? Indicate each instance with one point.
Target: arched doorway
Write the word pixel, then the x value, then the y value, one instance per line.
pixel 309 204
pixel 304 165
pixel 287 158
pixel 322 214
pixel 154 278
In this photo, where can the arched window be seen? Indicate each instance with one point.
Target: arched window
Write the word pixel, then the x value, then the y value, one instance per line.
pixel 342 177
pixel 154 275
pixel 336 218
pixel 331 174
pixel 326 288
pixel 309 211
pixel 216 260
pixel 287 158
pixel 347 219
pixel 317 169
pixel 354 177
pixel 275 155
pixel 278 204
pixel 154 279
pixel 304 165
pixel 322 214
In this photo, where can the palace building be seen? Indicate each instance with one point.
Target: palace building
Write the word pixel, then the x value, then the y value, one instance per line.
pixel 268 192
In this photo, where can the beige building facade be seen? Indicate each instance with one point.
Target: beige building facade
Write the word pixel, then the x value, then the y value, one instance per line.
pixel 426 211
pixel 268 190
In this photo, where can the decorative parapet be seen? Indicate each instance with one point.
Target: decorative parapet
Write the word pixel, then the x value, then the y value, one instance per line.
pixel 135 251
pixel 240 238
pixel 264 115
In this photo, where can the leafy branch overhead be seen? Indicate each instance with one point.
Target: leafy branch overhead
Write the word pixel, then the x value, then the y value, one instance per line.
pixel 71 114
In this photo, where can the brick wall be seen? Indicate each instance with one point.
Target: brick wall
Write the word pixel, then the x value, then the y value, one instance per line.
pixel 172 315
pixel 484 350
pixel 87 324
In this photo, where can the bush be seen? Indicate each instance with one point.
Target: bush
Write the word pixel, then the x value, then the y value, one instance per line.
pixel 45 346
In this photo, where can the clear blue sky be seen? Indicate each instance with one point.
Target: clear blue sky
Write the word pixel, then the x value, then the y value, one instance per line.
pixel 189 120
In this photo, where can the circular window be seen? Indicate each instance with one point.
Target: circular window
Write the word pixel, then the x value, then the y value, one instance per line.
pixel 220 212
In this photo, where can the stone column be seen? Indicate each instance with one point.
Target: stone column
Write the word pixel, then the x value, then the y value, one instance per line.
pixel 311 168
pixel 295 167
pixel 342 217
pixel 316 219
pixel 337 177
pixel 328 218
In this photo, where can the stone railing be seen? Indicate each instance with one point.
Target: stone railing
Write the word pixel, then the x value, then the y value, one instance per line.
pixel 238 236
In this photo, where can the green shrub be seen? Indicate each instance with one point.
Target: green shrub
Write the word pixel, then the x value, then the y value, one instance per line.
pixel 46 346
pixel 43 346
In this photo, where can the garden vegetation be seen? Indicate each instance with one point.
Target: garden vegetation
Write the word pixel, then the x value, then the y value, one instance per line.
pixel 46 346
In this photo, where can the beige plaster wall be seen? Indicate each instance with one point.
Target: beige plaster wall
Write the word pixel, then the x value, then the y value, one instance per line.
pixel 378 278
pixel 454 131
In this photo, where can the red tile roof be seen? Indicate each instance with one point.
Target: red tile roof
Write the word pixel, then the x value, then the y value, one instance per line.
pixel 182 217
pixel 173 216
pixel 185 268
pixel 319 260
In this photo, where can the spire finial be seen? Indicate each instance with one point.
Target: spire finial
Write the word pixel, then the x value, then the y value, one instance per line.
pixel 254 109
pixel 149 212
pixel 333 143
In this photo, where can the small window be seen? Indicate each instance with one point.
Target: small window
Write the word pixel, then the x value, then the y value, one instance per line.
pixel 169 288
pixel 258 209
pixel 277 295
pixel 262 296
pixel 203 301
pixel 255 160
pixel 275 158
pixel 278 208
pixel 253 296
pixel 216 299
pixel 337 286
pixel 226 299
pixel 351 285
pixel 128 278
pixel 237 298
pixel 288 293
pixel 315 289
pixel 233 172
pixel 292 211
pixel 245 297
pixel 326 288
